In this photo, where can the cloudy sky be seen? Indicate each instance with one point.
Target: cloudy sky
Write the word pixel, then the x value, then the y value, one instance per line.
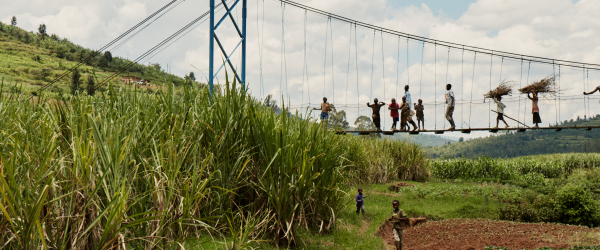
pixel 352 66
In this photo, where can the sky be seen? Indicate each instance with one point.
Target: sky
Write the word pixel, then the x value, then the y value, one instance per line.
pixel 352 66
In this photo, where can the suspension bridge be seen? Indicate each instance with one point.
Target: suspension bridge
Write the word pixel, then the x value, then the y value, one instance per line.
pixel 350 62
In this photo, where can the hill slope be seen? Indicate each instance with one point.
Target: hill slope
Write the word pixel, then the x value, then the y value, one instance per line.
pixel 31 59
pixel 531 142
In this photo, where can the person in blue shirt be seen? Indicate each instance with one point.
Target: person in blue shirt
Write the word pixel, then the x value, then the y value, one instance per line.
pixel 360 203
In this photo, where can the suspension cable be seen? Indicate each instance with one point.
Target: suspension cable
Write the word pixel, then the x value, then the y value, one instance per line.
pixel 372 65
pixel 348 69
pixel 332 70
pixel 489 103
pixel 304 64
pixel 472 84
pixel 462 86
pixel 520 80
pixel 284 56
pixel 398 69
pixel 325 56
pixel 447 67
pixel 421 78
pixel 383 71
pixel 357 79
pixel 435 82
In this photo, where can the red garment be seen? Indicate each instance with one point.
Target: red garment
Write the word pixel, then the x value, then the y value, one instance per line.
pixel 394 112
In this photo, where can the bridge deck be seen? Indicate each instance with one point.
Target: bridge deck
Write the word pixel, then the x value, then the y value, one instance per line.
pixel 464 130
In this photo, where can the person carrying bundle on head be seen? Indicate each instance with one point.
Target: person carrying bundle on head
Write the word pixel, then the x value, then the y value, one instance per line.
pixel 420 117
pixel 535 110
pixel 500 111
pixel 394 107
pixel 546 85
pixel 505 88
pixel 376 106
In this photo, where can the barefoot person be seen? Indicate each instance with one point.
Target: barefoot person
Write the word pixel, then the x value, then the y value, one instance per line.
pixel 420 117
pixel 407 115
pixel 394 107
pixel 398 217
pixel 534 108
pixel 593 91
pixel 450 109
pixel 325 108
pixel 500 111
pixel 360 203
pixel 376 106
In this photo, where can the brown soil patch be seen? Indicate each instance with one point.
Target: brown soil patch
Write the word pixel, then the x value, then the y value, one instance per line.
pixel 476 234
pixel 396 187
pixel 385 230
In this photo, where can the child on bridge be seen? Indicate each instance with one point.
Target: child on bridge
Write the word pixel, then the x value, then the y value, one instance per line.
pixel 394 107
pixel 535 110
pixel 376 106
pixel 325 108
pixel 420 117
pixel 500 111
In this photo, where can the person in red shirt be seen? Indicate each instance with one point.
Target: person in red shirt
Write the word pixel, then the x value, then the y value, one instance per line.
pixel 394 112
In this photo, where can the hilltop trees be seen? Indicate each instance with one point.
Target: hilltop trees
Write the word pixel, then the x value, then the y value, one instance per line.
pixel 13 21
pixel 91 85
pixel 42 30
pixel 75 81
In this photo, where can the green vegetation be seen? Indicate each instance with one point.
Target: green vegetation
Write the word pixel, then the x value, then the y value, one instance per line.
pixel 167 168
pixel 530 143
pixel 543 166
pixel 34 59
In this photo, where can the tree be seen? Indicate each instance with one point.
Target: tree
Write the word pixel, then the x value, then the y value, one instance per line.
pixel 338 119
pixel 364 123
pixel 192 76
pixel 108 56
pixel 461 139
pixel 75 81
pixel 42 30
pixel 13 21
pixel 1 27
pixel 91 85
pixel 271 103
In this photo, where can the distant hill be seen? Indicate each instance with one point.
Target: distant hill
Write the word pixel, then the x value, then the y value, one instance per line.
pixel 29 59
pixel 424 139
pixel 531 142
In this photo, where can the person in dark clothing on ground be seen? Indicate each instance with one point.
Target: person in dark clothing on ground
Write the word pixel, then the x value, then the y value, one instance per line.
pixel 360 203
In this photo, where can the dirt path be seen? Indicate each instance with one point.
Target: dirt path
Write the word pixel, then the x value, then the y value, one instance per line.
pixel 476 234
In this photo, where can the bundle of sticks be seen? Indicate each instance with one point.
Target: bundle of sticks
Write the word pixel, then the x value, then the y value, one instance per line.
pixel 546 85
pixel 504 88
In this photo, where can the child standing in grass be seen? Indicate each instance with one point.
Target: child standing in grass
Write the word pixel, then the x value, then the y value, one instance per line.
pixel 360 203
pixel 398 218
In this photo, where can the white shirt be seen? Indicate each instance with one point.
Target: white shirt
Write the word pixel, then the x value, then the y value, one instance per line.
pixel 408 99
pixel 450 98
pixel 501 106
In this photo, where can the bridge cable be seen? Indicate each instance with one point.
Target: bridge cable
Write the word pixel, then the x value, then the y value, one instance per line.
pixel 472 84
pixel 262 44
pixel 357 79
pixel 95 53
pixel 559 106
pixel 348 69
pixel 520 80
pixel 555 107
pixel 527 82
pixel 325 56
pixel 447 67
pixel 332 69
pixel 152 50
pixel 462 86
pixel 435 82
pixel 421 78
pixel 372 65
pixel 489 103
pixel 287 93
pixel 304 65
pixel 398 69
pixel 118 46
pixel 383 73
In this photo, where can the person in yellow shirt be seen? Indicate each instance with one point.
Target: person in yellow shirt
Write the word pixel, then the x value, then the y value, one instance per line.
pixel 398 218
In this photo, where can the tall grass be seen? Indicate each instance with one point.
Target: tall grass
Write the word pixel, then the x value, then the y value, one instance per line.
pixel 549 166
pixel 132 169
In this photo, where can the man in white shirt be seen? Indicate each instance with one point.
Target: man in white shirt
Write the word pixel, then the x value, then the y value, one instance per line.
pixel 450 109
pixel 500 111
pixel 407 94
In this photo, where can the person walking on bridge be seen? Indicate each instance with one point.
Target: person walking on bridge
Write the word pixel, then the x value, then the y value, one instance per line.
pixel 450 109
pixel 535 110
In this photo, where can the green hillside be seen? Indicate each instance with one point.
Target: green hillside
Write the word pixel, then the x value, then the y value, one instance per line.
pixel 423 139
pixel 31 59
pixel 531 142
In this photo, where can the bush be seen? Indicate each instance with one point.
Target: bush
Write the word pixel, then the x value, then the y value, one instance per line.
pixel 576 206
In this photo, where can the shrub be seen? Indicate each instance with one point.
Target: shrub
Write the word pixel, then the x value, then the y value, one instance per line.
pixel 576 206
